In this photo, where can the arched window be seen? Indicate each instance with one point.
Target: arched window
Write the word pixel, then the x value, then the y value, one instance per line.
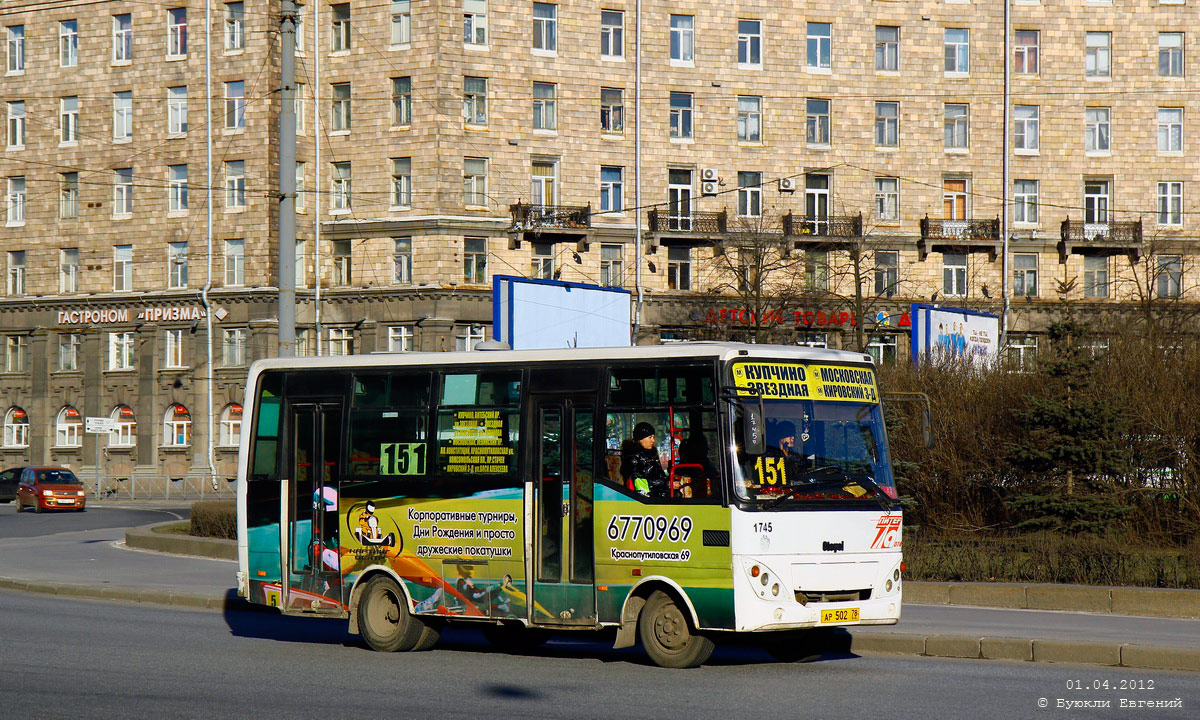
pixel 16 428
pixel 68 428
pixel 124 432
pixel 231 425
pixel 177 426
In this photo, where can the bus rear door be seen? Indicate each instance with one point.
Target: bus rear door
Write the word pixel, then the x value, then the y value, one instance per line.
pixel 564 590
pixel 314 579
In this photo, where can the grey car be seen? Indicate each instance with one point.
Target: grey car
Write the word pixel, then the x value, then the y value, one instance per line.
pixel 8 484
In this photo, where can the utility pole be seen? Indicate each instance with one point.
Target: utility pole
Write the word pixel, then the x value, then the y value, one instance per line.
pixel 287 180
pixel 1006 205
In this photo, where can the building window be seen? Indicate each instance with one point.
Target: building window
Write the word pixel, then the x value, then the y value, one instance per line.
pixel 1169 280
pixel 301 270
pixel 235 185
pixel 177 426
pixel 340 107
pixel 887 272
pixel 16 49
pixel 612 265
pixel 612 34
pixel 542 264
pixel 749 119
pixel 177 265
pixel 231 425
pixel 679 268
pixel 340 15
pixel 1097 129
pixel 1170 54
pixel 475 260
pixel 957 124
pixel 122 268
pixel 402 261
pixel 816 270
pixel 887 198
pixel 1098 55
pixel 475 182
pixel 469 336
pixel 887 124
pixel 681 115
pixel 750 37
pixel 883 349
pixel 342 270
pixel 954 199
pixel 177 110
pixel 545 27
pixel 544 115
pixel 299 101
pixel 474 22
pixel 1095 205
pixel 16 428
pixel 68 270
pixel 399 339
pixel 1170 203
pixel 954 274
pixel 122 115
pixel 235 31
pixel 750 194
pixel 543 182
pixel 679 199
pixel 1170 129
pixel 177 33
pixel 683 38
pixel 68 428
pixel 402 21
pixel 401 182
pixel 820 45
pixel 1025 274
pixel 887 48
pixel 957 45
pixel 122 192
pixel 173 348
pixel 402 101
pixel 68 43
pixel 612 189
pixel 301 188
pixel 16 272
pixel 235 104
pixel 612 110
pixel 120 351
pixel 341 341
pixel 122 33
pixel 68 120
pixel 233 347
pixel 16 353
pixel 475 100
pixel 124 432
pixel 1095 276
pixel 16 201
pixel 235 262
pixel 68 195
pixel 340 190
pixel 817 121
pixel 68 351
pixel 1026 127
pixel 1025 52
pixel 16 125
pixel 177 188
pixel 1021 352
pixel 1025 201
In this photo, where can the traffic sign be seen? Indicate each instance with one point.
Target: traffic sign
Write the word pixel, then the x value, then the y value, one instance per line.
pixel 99 425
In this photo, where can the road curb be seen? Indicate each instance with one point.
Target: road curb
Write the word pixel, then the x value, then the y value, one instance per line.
pixel 144 538
pixel 1139 602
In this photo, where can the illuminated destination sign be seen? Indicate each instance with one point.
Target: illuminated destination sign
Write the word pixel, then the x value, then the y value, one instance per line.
pixel 791 381
pixel 112 316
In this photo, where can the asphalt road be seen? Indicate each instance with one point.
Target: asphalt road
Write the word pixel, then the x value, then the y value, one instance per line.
pixel 65 658
pixel 96 517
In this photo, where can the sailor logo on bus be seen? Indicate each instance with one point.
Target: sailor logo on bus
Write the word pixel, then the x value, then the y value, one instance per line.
pixel 887 534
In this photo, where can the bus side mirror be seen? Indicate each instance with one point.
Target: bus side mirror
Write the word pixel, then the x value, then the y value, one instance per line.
pixel 927 428
pixel 752 430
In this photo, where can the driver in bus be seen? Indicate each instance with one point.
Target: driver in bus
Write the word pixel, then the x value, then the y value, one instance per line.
pixel 640 465
pixel 781 443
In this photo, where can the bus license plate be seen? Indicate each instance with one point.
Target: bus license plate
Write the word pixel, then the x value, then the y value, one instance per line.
pixel 840 615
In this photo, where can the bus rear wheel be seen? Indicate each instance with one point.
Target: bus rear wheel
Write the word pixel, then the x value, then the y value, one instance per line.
pixel 385 622
pixel 667 635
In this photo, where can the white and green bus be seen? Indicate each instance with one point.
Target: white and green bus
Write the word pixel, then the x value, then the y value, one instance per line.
pixel 677 493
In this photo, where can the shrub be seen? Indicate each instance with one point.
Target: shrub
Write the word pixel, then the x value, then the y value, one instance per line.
pixel 215 519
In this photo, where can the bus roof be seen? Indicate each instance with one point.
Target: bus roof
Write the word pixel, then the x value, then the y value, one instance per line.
pixel 671 351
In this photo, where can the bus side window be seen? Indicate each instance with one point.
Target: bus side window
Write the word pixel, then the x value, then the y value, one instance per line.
pixel 389 425
pixel 264 464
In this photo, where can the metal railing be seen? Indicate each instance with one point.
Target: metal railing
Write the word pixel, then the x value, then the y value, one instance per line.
pixel 841 226
pixel 702 223
pixel 962 230
pixel 528 216
pixel 1118 232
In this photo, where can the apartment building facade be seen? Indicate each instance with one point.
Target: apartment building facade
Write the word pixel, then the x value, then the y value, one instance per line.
pixel 444 142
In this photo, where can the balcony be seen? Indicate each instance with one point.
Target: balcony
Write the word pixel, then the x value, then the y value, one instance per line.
pixel 694 223
pixel 1106 237
pixel 941 234
pixel 549 223
pixel 822 229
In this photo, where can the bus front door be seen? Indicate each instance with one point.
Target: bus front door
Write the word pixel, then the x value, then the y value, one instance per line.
pixel 564 588
pixel 313 573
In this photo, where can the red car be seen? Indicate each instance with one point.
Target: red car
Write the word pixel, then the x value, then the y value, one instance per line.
pixel 50 488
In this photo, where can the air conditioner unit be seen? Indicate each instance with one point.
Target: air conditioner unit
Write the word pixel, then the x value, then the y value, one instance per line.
pixel 708 188
pixel 787 184
pixel 709 175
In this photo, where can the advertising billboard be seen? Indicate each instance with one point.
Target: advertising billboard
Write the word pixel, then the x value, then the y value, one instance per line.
pixel 942 334
pixel 542 314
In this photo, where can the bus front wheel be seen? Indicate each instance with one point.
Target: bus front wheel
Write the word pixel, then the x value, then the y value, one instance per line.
pixel 667 635
pixel 385 622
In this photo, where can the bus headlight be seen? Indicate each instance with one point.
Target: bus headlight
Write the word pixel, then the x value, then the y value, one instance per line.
pixel 770 583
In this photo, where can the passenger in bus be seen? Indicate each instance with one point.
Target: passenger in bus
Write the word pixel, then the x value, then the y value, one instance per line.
pixel 640 466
